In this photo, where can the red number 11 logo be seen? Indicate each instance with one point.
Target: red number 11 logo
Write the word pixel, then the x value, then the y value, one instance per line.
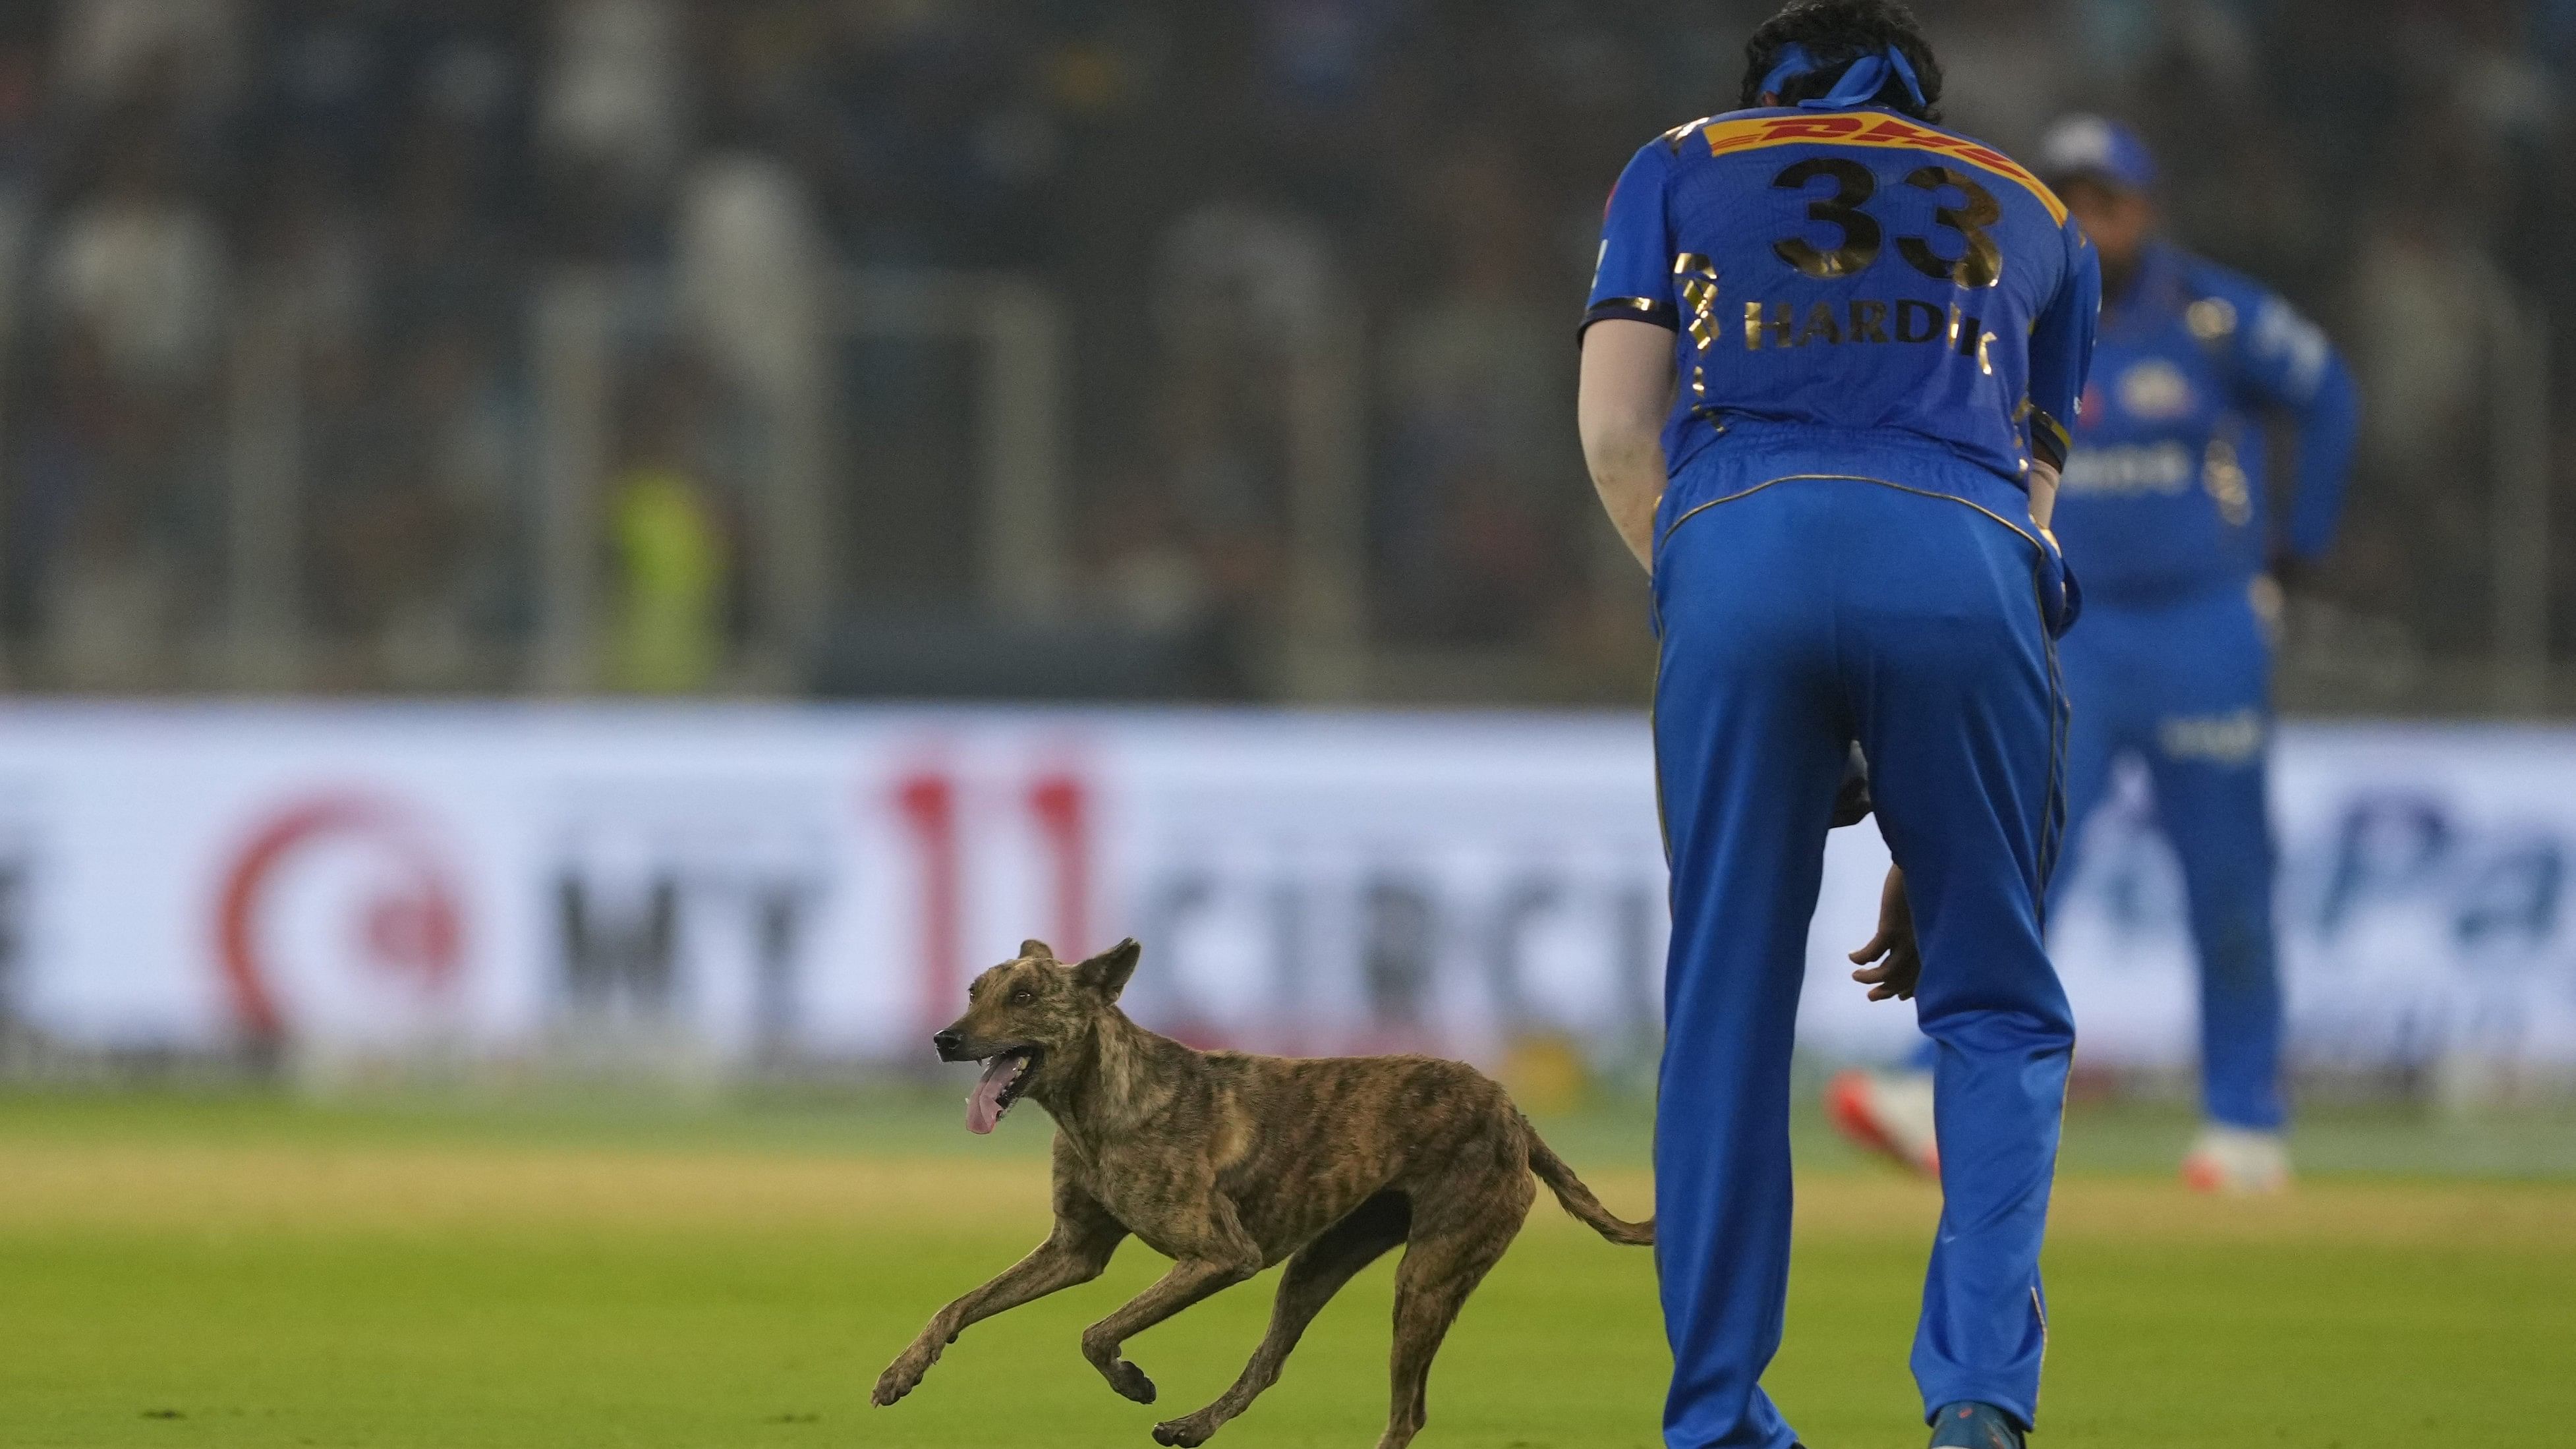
pixel 1059 804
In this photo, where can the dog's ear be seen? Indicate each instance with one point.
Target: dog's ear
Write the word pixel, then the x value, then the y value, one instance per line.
pixel 1037 950
pixel 1107 972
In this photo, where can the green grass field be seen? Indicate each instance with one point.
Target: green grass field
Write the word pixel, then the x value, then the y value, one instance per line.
pixel 263 1271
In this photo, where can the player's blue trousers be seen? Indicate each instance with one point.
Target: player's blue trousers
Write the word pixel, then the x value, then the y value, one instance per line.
pixel 2185 686
pixel 1796 616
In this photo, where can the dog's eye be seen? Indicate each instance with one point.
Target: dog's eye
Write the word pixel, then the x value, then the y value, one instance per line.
pixel 1023 996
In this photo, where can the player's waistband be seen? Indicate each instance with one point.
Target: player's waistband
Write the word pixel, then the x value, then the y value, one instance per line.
pixel 1749 454
pixel 1747 459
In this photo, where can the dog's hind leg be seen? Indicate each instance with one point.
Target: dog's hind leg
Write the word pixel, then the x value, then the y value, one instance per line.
pixel 1074 1253
pixel 1443 1264
pixel 1314 1275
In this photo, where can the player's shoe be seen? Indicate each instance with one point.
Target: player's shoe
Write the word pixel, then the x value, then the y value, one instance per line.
pixel 1973 1426
pixel 1890 1113
pixel 2237 1162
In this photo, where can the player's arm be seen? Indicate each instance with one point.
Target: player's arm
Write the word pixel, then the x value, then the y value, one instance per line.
pixel 2287 362
pixel 2061 355
pixel 1626 389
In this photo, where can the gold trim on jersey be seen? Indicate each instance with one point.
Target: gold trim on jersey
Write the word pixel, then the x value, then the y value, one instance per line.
pixel 1871 128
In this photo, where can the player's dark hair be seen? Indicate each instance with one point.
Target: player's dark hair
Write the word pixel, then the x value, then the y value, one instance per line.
pixel 1836 33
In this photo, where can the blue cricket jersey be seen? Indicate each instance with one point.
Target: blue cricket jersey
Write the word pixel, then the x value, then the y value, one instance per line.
pixel 2165 493
pixel 1842 281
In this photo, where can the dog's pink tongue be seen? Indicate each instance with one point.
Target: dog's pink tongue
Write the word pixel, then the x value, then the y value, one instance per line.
pixel 984 1104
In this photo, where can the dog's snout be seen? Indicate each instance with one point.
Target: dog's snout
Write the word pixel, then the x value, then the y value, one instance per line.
pixel 949 1044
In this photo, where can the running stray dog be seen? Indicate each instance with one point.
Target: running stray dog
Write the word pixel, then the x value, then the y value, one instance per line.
pixel 1227 1163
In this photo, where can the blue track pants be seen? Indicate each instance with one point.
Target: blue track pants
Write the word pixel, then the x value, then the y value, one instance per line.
pixel 1797 616
pixel 2185 687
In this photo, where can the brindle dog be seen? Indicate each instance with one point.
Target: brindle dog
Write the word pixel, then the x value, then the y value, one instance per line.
pixel 1228 1163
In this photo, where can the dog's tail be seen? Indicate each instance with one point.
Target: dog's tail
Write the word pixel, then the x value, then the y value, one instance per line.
pixel 1577 1198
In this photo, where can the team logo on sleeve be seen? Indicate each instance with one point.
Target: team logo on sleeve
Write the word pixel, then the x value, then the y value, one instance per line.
pixel 2283 335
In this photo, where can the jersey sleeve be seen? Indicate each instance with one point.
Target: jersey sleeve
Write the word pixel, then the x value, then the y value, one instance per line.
pixel 2285 360
pixel 2061 350
pixel 1634 277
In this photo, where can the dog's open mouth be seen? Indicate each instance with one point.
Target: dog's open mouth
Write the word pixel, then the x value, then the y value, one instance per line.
pixel 1005 1076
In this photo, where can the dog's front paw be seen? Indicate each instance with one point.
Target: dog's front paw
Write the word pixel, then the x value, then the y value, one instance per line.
pixel 1187 1433
pixel 1129 1380
pixel 900 1378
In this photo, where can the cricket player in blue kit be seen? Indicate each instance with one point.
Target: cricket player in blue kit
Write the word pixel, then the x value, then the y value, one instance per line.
pixel 2163 507
pixel 1827 361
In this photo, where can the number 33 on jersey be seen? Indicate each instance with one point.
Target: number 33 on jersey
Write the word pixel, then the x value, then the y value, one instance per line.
pixel 1853 270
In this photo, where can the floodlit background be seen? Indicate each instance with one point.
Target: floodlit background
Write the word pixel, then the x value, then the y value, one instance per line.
pixel 1096 348
pixel 570 568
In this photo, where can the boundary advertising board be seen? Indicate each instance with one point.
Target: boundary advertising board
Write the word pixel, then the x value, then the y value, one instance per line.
pixel 744 884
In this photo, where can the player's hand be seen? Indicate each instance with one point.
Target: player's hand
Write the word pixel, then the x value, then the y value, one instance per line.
pixel 1899 960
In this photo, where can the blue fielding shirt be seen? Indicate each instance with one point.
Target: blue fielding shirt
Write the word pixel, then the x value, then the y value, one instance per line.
pixel 2165 493
pixel 1839 277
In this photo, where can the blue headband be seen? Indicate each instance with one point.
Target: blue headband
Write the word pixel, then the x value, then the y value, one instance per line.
pixel 1859 85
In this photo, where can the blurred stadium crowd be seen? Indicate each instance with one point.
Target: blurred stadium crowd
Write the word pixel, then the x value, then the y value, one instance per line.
pixel 314 238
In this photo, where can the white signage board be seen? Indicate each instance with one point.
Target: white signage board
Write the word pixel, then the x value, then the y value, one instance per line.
pixel 737 884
